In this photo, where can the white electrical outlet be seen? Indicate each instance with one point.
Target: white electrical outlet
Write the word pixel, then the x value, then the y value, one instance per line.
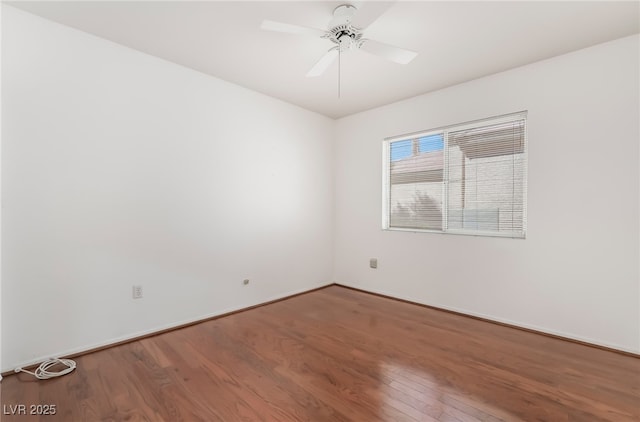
pixel 137 292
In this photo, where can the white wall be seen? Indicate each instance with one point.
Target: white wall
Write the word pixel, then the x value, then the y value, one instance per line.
pixel 577 272
pixel 119 168
pixel 0 192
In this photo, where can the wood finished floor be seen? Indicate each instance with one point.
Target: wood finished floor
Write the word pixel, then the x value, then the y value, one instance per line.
pixel 340 355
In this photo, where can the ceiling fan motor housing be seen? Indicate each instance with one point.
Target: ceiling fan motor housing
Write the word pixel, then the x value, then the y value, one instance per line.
pixel 346 37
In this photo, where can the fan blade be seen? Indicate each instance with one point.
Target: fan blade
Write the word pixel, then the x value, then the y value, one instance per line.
pixel 389 52
pixel 291 29
pixel 368 12
pixel 322 64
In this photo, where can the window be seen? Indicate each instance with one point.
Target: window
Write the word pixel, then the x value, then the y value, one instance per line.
pixel 467 179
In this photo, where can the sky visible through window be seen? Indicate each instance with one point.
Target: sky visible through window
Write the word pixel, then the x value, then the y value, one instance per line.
pixel 403 149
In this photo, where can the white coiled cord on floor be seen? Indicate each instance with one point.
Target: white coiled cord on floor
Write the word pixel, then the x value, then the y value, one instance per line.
pixel 42 372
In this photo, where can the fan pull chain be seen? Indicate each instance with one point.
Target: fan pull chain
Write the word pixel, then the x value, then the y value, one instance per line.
pixel 339 68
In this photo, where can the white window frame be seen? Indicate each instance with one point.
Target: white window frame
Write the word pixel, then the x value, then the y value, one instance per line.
pixel 444 130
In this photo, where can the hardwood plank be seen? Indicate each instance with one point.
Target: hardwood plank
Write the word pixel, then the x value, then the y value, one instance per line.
pixel 337 354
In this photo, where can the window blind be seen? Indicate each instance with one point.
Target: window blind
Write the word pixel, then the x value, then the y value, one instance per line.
pixel 468 179
pixel 416 175
pixel 486 179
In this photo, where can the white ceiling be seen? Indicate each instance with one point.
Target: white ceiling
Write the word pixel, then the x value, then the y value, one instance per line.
pixel 456 42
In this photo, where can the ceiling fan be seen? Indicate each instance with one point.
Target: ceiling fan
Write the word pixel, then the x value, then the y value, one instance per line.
pixel 345 30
